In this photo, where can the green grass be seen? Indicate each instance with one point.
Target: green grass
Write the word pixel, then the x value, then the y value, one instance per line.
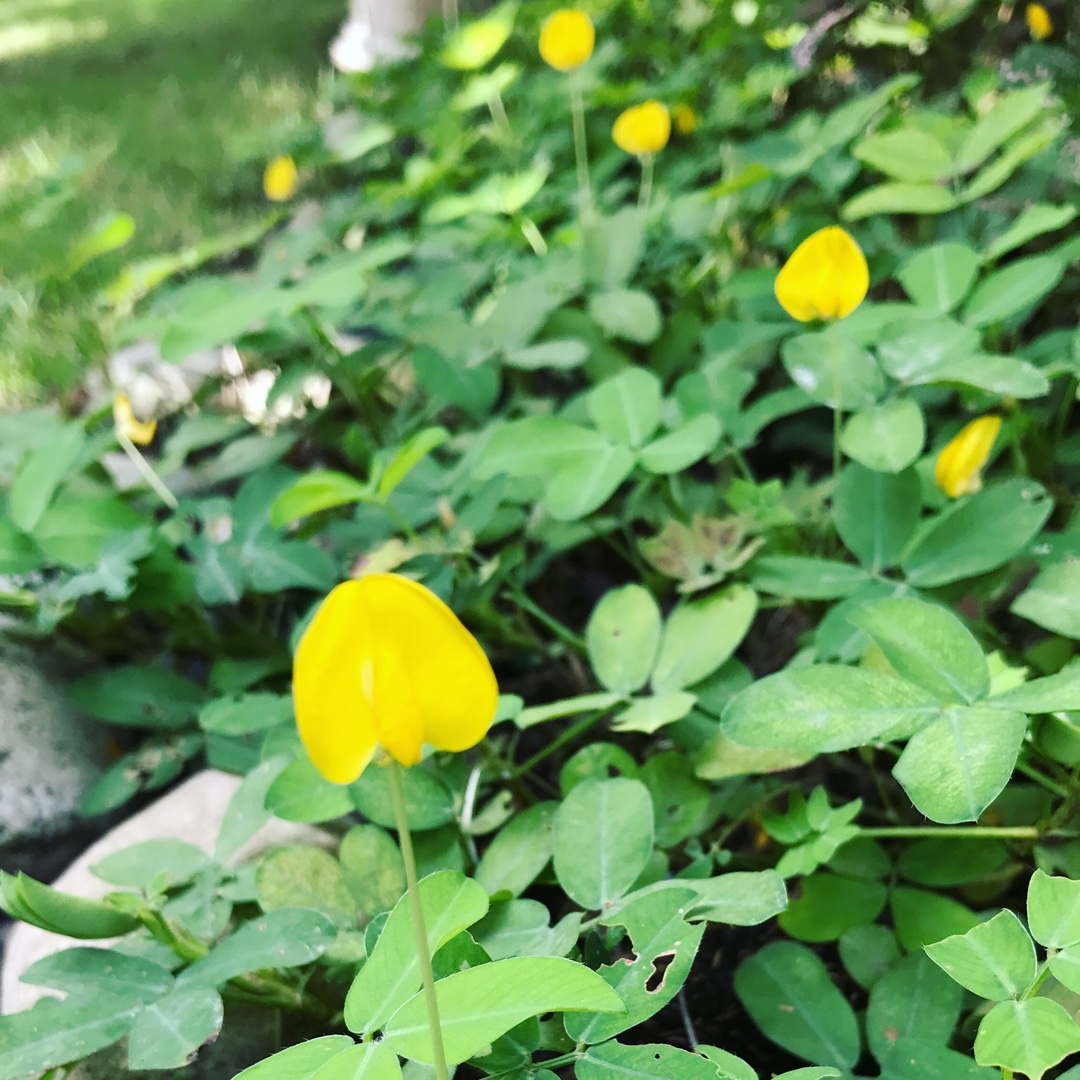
pixel 163 109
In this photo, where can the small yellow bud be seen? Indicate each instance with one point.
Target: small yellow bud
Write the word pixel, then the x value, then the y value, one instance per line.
pixel 280 180
pixel 567 39
pixel 825 278
pixel 958 467
pixel 684 118
pixel 1038 20
pixel 642 129
pixel 127 424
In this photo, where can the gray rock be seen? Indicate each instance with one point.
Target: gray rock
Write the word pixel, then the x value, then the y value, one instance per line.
pixel 49 756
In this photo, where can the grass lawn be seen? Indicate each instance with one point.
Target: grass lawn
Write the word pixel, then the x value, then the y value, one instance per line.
pixel 162 109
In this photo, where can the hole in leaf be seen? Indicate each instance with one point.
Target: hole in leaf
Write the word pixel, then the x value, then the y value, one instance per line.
pixel 655 982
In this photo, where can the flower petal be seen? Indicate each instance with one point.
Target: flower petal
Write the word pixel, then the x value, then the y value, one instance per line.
pixel 959 464
pixel 826 277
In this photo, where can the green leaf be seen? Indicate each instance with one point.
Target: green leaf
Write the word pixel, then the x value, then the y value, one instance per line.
pixel 368 1061
pixel 622 637
pixel 1065 967
pixel 1026 145
pixel 473 44
pixel 1053 905
pixel 1026 1036
pixel 613 246
pixel 96 971
pixel 55 1033
pixel 535 446
pixel 914 351
pixel 148 697
pixel 245 714
pixel 825 708
pixel 680 448
pixel 1010 113
pixel 899 198
pixel 29 900
pixel 868 951
pixel 1013 289
pixel 910 1059
pixel 373 867
pixel 519 852
pixel 300 793
pixel 833 369
pixel 730 1067
pixel 938 277
pixel 626 407
pixel 947 862
pixel 978 534
pixel 167 1034
pixel 680 799
pixel 806 577
pixel 450 902
pixel 428 802
pixel 587 482
pixel 787 991
pixel 299 1062
pixel 1052 600
pixel 603 840
pixel 284 938
pixel 1034 221
pixel 956 766
pixel 1054 693
pixel 651 1061
pixel 412 452
pixel 875 513
pixel 298 875
pixel 664 947
pixel 627 313
pixel 538 714
pixel 520 928
pixel 18 553
pixel 273 565
pixel 165 863
pixel 115 568
pixel 995 959
pixel 107 234
pixel 478 1005
pixel 913 1000
pixel 996 374
pixel 649 714
pixel 906 153
pixel 246 812
pixel 42 471
pixel 887 438
pixel 928 646
pixel 451 383
pixel 829 905
pixel 701 635
pixel 921 918
pixel 740 898
pixel 561 353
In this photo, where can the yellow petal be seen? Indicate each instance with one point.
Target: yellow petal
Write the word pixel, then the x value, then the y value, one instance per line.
pixel 280 180
pixel 386 662
pixel 567 39
pixel 825 278
pixel 958 466
pixel 129 425
pixel 642 129
pixel 1038 20
pixel 685 119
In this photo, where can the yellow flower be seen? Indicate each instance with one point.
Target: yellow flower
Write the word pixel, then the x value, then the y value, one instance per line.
pixel 1038 20
pixel 959 464
pixel 386 663
pixel 567 39
pixel 825 278
pixel 129 425
pixel 642 129
pixel 685 119
pixel 280 180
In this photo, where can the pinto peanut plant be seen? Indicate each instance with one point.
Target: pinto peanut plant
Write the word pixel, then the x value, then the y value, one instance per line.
pixel 654 565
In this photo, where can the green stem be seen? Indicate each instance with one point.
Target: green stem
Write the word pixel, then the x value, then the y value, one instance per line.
pixel 146 472
pixel 834 354
pixel 954 832
pixel 498 114
pixel 397 795
pixel 450 12
pixel 562 632
pixel 1033 774
pixel 645 194
pixel 568 735
pixel 581 151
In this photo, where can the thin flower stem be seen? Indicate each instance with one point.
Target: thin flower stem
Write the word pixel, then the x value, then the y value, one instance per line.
pixel 146 472
pixel 450 12
pixel 581 150
pixel 498 114
pixel 648 163
pixel 953 832
pixel 568 735
pixel 838 386
pixel 397 795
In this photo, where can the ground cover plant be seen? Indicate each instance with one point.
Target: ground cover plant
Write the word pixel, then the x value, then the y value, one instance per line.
pixel 672 429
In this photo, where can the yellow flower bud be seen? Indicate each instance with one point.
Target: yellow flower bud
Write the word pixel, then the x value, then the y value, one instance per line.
pixel 280 180
pixel 386 663
pixel 684 118
pixel 642 129
pixel 129 425
pixel 1038 20
pixel 567 39
pixel 958 466
pixel 825 278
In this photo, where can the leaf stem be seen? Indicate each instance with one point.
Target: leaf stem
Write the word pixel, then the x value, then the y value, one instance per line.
pixel 953 832
pixel 397 795
pixel 147 472
pixel 648 162
pixel 581 151
pixel 568 735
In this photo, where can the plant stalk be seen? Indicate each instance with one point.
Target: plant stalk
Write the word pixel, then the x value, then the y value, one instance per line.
pixel 648 163
pixel 953 832
pixel 581 151
pixel 397 795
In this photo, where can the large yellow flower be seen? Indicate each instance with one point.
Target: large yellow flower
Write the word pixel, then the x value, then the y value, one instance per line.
pixel 959 465
pixel 280 180
pixel 386 663
pixel 140 432
pixel 642 129
pixel 1038 20
pixel 825 278
pixel 567 39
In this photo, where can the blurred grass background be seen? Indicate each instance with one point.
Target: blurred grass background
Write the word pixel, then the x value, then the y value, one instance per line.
pixel 163 109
